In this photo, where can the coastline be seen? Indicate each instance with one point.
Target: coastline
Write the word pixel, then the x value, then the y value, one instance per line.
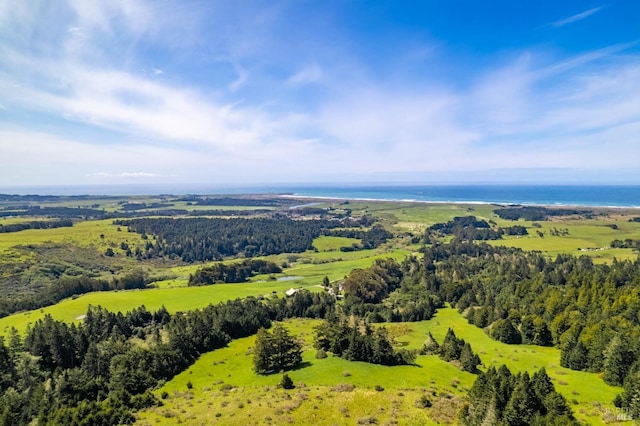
pixel 561 196
pixel 312 198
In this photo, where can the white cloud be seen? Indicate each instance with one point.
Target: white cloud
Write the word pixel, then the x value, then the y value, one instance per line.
pixel 230 120
pixel 142 175
pixel 310 74
pixel 577 17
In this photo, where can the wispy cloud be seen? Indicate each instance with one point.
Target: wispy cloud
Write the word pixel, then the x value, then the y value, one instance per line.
pixel 577 17
pixel 135 175
pixel 238 104
pixel 310 74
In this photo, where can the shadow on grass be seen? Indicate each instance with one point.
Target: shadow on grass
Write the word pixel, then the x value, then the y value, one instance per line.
pixel 302 365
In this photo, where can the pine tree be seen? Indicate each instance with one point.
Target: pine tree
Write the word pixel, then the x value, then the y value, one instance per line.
pixel 430 345
pixel 523 403
pixel 276 351
pixel 262 350
pixel 617 360
pixel 451 347
pixel 468 359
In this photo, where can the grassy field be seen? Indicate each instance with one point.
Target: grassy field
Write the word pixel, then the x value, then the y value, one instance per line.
pixel 227 391
pixel 174 299
pixel 176 296
pixel 585 237
pixel 93 234
pixel 327 243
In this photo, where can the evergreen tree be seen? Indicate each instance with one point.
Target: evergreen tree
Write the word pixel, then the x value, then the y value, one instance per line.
pixel 617 360
pixel 468 359
pixel 505 332
pixel 276 351
pixel 523 403
pixel 430 345
pixel 286 382
pixel 451 347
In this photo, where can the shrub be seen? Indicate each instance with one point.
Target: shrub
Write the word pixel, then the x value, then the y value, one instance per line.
pixel 286 382
pixel 423 402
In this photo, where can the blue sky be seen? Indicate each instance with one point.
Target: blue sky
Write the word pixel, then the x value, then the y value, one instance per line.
pixel 246 92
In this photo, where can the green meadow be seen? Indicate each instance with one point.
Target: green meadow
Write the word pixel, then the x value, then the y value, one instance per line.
pixel 344 392
pixel 176 296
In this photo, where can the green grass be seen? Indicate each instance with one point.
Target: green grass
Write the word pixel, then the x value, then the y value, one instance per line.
pixel 586 237
pixel 83 234
pixel 403 385
pixel 174 299
pixel 328 243
pixel 181 298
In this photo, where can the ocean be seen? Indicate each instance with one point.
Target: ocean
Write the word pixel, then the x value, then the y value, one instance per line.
pixel 561 195
pixel 574 195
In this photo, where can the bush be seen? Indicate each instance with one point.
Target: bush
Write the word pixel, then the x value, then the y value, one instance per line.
pixel 321 354
pixel 423 402
pixel 286 382
pixel 379 388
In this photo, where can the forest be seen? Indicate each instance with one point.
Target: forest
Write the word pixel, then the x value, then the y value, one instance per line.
pixel 207 239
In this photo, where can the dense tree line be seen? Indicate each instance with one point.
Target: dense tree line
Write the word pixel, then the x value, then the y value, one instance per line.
pixel 468 228
pixel 206 239
pixel 370 238
pixel 498 397
pixel 237 272
pixel 533 213
pixel 143 206
pixel 41 224
pixel 59 212
pixel 359 342
pixel 627 243
pixel 66 373
pixel 589 311
pixel 71 286
pixel 385 292
pixel 240 201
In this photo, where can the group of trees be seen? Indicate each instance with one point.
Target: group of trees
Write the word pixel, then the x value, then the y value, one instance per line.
pixel 468 228
pixel 59 212
pixel 66 373
pixel 369 239
pixel 385 292
pixel 356 341
pixel 627 243
pixel 499 397
pixel 70 286
pixel 455 349
pixel 40 224
pixel 589 311
pixel 232 272
pixel 533 213
pixel 207 239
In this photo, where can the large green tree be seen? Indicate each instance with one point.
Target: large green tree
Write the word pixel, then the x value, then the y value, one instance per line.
pixel 276 351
